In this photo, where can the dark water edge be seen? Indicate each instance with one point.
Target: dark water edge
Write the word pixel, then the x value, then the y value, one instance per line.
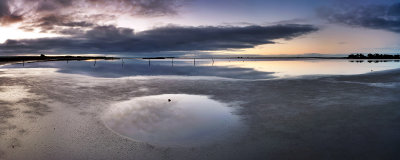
pixel 16 59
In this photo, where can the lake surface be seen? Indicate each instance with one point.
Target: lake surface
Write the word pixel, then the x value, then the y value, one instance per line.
pixel 200 109
pixel 223 68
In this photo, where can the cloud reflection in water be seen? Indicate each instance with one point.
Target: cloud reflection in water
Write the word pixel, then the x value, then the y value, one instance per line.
pixel 117 68
pixel 188 120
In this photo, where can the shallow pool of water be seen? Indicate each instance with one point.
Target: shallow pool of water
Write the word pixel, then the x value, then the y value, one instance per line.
pixel 185 120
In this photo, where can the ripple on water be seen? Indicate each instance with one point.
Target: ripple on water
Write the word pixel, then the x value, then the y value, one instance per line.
pixel 188 120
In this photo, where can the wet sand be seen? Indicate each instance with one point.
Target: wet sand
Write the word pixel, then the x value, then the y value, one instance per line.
pixel 58 116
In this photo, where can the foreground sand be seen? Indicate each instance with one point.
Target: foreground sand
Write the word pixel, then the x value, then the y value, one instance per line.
pixel 53 115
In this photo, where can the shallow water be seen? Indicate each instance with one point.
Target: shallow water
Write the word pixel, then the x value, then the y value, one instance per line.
pixel 187 120
pixel 292 68
pixel 224 68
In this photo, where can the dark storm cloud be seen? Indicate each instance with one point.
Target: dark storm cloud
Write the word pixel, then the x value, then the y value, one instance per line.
pixel 153 7
pixel 4 10
pixel 385 17
pixel 134 7
pixel 58 24
pixel 110 39
pixel 216 38
pixel 52 5
pixel 54 16
pixel 6 16
pixel 65 24
pixel 58 20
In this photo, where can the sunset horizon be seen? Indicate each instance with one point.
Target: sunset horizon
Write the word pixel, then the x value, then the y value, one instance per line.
pixel 176 27
pixel 199 79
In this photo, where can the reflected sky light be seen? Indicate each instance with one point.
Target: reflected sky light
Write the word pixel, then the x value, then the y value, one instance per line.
pixel 290 68
pixel 225 68
pixel 187 120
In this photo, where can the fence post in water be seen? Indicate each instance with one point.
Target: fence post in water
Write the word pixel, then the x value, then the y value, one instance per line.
pixel 194 61
pixel 172 62
pixel 149 62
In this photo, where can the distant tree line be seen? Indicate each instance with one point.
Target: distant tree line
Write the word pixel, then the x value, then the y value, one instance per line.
pixel 374 61
pixel 373 56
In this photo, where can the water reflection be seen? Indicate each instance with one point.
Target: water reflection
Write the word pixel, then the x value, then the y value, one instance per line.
pixel 133 67
pixel 226 68
pixel 300 67
pixel 173 120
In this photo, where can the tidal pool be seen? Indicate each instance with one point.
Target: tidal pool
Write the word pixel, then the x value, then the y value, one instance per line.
pixel 186 120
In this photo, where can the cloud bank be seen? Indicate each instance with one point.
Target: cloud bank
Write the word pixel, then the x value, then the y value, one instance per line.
pixel 51 15
pixel 87 26
pixel 139 7
pixel 384 17
pixel 111 39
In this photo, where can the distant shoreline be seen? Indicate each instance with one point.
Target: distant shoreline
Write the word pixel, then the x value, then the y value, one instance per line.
pixel 271 58
pixel 8 59
pixel 232 57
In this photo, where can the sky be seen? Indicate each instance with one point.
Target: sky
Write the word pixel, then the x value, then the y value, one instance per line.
pixel 199 27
